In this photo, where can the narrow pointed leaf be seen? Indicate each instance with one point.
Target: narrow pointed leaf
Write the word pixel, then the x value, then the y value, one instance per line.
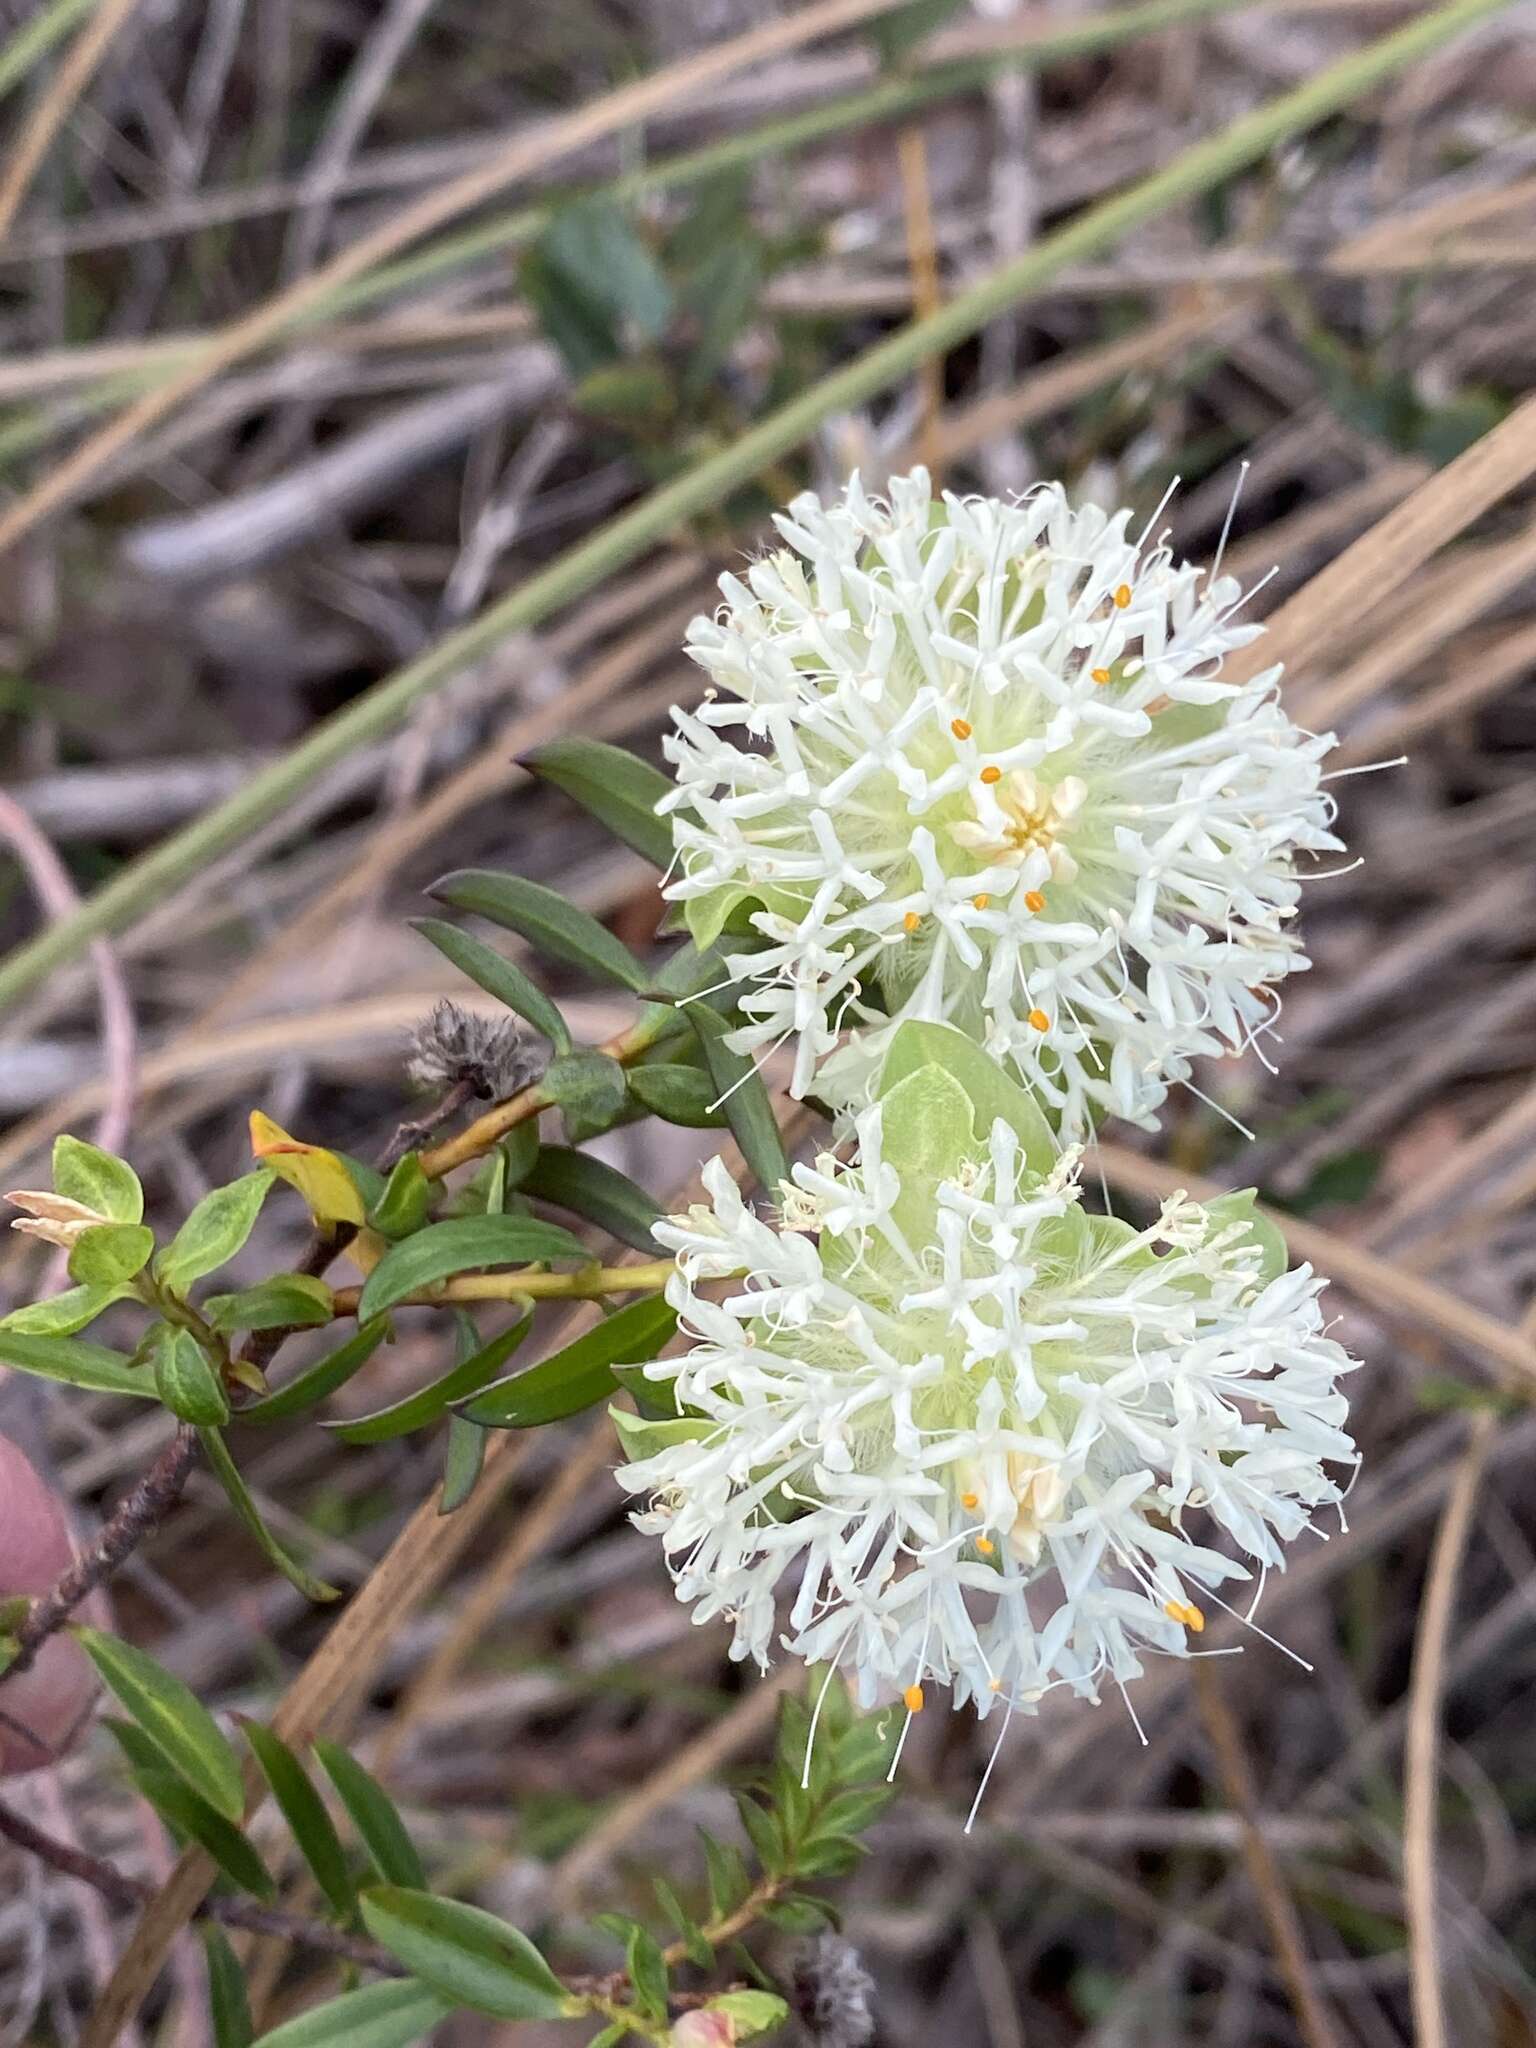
pixel 172 1717
pixel 304 1811
pixel 580 1373
pixel 498 976
pixel 428 1403
pixel 550 924
pixel 214 1231
pixel 186 1379
pixel 742 1098
pixel 619 789
pixel 462 1245
pixel 402 1208
pixel 462 1464
pixel 393 2015
pixel 319 1380
pixel 228 2005
pixel 373 1813
pixel 61 1315
pixel 678 1095
pixel 587 1187
pixel 228 1476
pixel 467 1954
pixel 286 1301
pixel 196 1821
pixel 75 1363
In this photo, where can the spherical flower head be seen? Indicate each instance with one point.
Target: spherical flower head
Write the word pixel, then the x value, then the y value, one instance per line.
pixel 974 761
pixel 989 1440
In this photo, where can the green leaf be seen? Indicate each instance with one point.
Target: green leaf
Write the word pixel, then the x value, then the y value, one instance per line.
pixel 286 1301
pixel 578 1374
pixel 587 1187
pixel 721 297
pixel 545 920
pixel 214 1232
pixel 619 789
pixel 393 2015
pixel 498 976
pixel 896 33
pixel 97 1180
pixel 171 1717
pixel 402 1208
pixel 428 1403
pixel 60 1315
pixel 647 1971
pixel 185 1379
pixel 366 1182
pixel 678 1095
pixel 195 1820
pixel 753 2012
pixel 729 1882
pixel 374 1815
pixel 468 1955
pixel 589 1089
pixel 229 2007
pixel 992 1094
pixel 76 1363
pixel 462 1463
pixel 110 1254
pixel 743 1098
pixel 304 1811
pixel 592 281
pixel 319 1380
pixel 228 1475
pixel 461 1245
pixel 925 1125
pixel 644 1438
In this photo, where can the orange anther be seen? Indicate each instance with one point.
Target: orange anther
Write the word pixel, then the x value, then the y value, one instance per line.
pixel 913 1699
pixel 1122 597
pixel 1194 1620
pixel 961 728
pixel 981 902
pixel 985 1545
pixel 970 1500
pixel 1100 675
pixel 1040 1020
pixel 1033 900
pixel 991 774
pixel 911 921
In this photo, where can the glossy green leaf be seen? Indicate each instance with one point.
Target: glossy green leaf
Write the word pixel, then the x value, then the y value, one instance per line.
pixel 402 1208
pixel 304 1811
pixel 498 976
pixel 228 1475
pixel 678 1095
pixel 75 1363
pixel 578 1374
pixel 589 1088
pixel 550 924
pixel 742 1097
pixel 373 1813
pixel 394 2015
pixel 196 1821
pixel 319 1380
pixel 287 1301
pixel 61 1315
pixel 992 1093
pixel 647 1971
pixel 215 1230
pixel 416 1410
pixel 97 1180
pixel 619 789
pixel 467 1954
pixel 461 1245
pixel 185 1378
pixel 587 1187
pixel 750 2012
pixel 110 1254
pixel 171 1717
pixel 463 1462
pixel 228 2005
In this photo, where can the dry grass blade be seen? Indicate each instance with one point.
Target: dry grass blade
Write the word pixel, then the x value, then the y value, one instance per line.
pixel 53 108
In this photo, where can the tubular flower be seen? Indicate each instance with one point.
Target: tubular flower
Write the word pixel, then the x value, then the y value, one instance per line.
pixel 976 762
pixel 990 1440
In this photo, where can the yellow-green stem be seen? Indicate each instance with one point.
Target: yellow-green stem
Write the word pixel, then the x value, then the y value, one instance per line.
pixel 587 1283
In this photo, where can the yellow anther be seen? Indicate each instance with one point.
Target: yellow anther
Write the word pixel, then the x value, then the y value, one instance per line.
pixel 1181 1611
pixel 911 921
pixel 1122 597
pixel 1040 1020
pixel 981 902
pixel 1100 675
pixel 970 1500
pixel 991 774
pixel 985 1545
pixel 994 1685
pixel 913 1699
pixel 961 728
pixel 1034 900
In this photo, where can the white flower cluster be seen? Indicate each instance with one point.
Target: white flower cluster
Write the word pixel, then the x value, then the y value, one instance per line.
pixel 972 761
pixel 969 1420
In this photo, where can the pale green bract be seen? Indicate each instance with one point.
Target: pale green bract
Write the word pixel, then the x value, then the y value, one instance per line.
pixel 991 1438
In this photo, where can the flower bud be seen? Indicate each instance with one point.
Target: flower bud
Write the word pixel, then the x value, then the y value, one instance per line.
pixel 48 1701
pixel 54 1218
pixel 703 2029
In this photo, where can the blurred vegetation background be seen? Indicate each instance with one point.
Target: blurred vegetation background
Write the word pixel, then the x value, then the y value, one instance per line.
pixel 344 347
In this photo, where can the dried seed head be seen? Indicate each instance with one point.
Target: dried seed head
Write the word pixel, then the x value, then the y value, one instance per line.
pixel 453 1047
pixel 835 1994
